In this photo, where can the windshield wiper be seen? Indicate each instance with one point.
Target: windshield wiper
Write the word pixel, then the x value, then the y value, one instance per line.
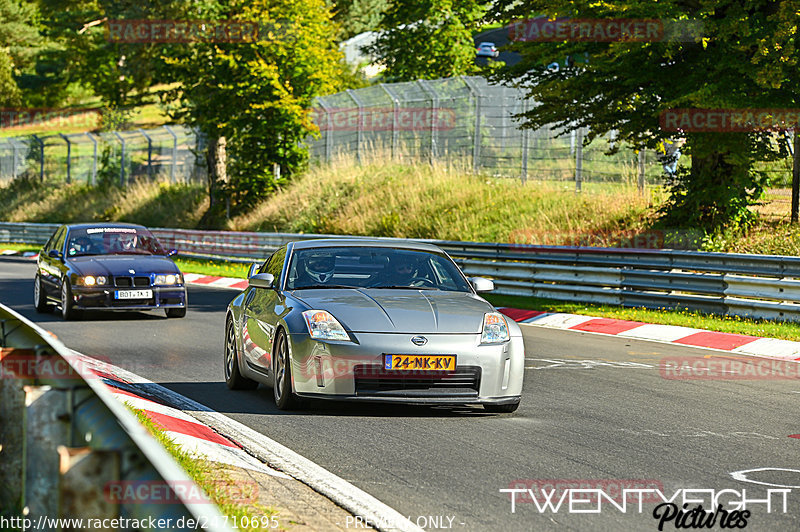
pixel 310 286
pixel 405 286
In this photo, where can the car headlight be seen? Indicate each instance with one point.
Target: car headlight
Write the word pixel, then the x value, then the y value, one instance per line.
pixel 495 328
pixel 323 326
pixel 91 280
pixel 167 278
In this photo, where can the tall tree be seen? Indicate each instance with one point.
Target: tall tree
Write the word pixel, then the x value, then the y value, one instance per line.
pixel 20 41
pixel 258 95
pixel 428 39
pixel 358 16
pixel 745 56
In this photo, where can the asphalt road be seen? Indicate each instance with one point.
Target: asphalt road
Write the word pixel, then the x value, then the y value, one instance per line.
pixel 595 409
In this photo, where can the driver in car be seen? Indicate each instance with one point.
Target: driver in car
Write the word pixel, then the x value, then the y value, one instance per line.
pixel 318 269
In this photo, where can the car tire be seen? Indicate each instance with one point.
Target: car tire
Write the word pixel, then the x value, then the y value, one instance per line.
pixel 39 297
pixel 282 386
pixel 233 378
pixel 501 409
pixel 176 312
pixel 68 310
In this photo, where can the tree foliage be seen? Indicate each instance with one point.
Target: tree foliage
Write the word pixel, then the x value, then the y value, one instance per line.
pixel 745 56
pixel 428 39
pixel 258 95
pixel 358 16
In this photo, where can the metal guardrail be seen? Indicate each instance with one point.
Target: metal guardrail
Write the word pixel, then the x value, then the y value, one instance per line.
pixel 69 449
pixel 761 286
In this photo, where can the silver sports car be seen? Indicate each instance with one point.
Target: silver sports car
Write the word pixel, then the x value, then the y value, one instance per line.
pixel 370 320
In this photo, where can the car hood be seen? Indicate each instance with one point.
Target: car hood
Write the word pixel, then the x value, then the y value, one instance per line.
pixel 400 311
pixel 121 265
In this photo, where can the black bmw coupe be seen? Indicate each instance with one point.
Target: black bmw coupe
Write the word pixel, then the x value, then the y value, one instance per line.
pixel 107 266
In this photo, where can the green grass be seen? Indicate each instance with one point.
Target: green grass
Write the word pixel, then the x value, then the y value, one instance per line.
pixel 683 318
pixel 211 267
pixel 19 247
pixel 209 476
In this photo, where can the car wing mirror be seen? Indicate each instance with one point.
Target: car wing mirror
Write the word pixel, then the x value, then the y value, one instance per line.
pixel 481 284
pixel 172 252
pixel 54 253
pixel 261 280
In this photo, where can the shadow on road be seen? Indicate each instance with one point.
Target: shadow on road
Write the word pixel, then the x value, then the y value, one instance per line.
pixel 218 397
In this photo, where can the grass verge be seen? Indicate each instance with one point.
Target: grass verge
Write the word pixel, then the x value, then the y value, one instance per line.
pixel 211 479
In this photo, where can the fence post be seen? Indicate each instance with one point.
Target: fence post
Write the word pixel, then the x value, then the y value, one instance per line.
pixel 525 134
pixel 69 157
pixel 174 153
pixel 578 159
pixel 41 157
pixel 149 153
pixel 328 129
pixel 360 138
pixel 94 158
pixel 121 159
pixel 14 150
pixel 434 112
pixel 395 110
pixel 476 138
pixel 640 183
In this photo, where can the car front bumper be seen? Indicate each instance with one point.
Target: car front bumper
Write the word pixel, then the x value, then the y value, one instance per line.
pixel 102 298
pixel 484 374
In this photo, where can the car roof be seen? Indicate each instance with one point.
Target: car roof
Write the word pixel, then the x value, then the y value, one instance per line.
pixel 365 242
pixel 486 43
pixel 104 224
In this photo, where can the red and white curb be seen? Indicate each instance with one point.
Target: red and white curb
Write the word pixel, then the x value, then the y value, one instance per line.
pixel 216 282
pixel 193 437
pixel 671 334
pixel 33 255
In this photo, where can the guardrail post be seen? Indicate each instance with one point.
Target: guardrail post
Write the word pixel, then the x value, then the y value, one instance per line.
pixel 121 159
pixel 149 153
pixel 94 158
pixel 69 157
pixel 640 181
pixel 41 156
pixel 12 435
pixel 46 427
pixel 578 159
pixel 84 472
pixel 360 137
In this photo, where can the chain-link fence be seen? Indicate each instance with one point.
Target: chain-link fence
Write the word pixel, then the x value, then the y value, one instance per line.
pixel 173 153
pixel 468 120
pixel 464 120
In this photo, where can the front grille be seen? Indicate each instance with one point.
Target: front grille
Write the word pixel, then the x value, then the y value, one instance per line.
pixel 127 282
pixel 374 381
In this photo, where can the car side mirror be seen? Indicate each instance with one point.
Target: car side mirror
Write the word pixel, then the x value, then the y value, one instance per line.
pixel 481 284
pixel 261 280
pixel 253 269
pixel 172 252
pixel 54 253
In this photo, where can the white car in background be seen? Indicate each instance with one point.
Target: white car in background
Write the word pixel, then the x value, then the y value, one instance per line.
pixel 487 49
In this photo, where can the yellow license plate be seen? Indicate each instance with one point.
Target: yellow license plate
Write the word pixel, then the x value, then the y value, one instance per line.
pixel 419 362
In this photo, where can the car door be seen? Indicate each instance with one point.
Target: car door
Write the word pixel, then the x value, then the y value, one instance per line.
pixel 264 307
pixel 51 268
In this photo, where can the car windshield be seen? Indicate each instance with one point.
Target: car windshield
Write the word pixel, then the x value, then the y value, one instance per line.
pixel 373 268
pixel 112 241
